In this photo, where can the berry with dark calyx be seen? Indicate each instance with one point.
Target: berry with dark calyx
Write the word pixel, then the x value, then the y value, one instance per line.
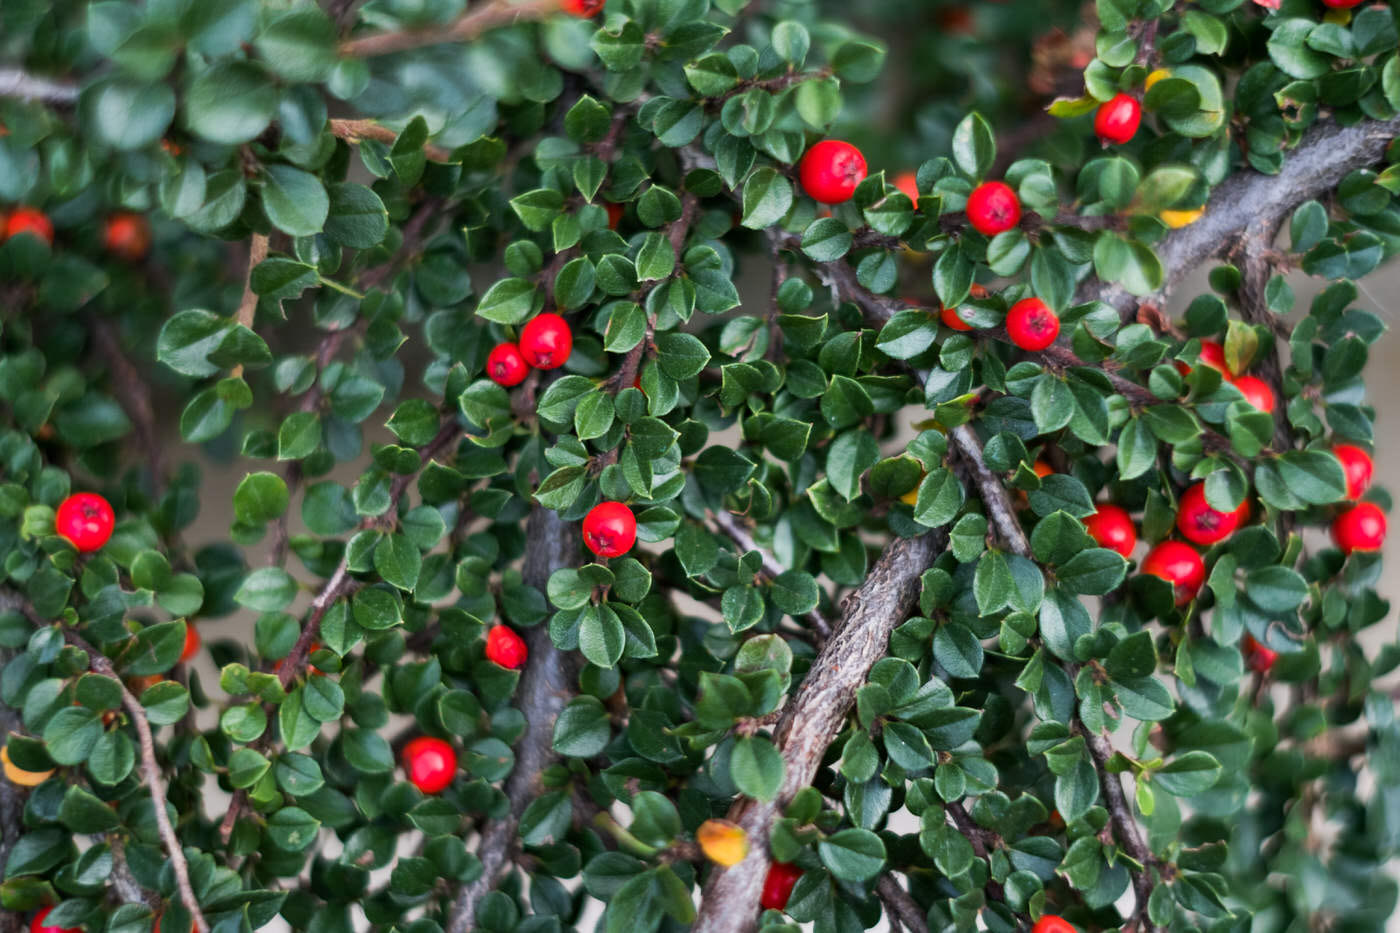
pixel 37 925
pixel 831 170
pixel 1180 565
pixel 506 365
pixel 993 208
pixel 1052 924
pixel 86 520
pixel 610 529
pixel 28 220
pixel 778 885
pixel 1256 392
pixel 1360 528
pixel 192 641
pixel 949 316
pixel 583 9
pixel 1357 465
pixel 1117 120
pixel 1256 657
pixel 1201 524
pixel 506 648
pixel 546 341
pixel 127 236
pixel 430 764
pixel 1032 325
pixel 1112 527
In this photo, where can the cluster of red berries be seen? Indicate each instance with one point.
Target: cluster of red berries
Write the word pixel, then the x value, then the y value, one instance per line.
pixel 545 343
pixel 127 236
pixel 1255 390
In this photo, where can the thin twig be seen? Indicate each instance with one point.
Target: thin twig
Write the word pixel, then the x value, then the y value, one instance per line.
pixel 248 306
pixel 134 395
pixel 899 906
pixel 483 17
pixel 356 130
pixel 725 523
pixel 151 774
pixel 1125 827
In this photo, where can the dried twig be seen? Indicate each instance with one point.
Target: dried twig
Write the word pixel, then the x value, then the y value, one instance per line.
pixel 725 523
pixel 356 130
pixel 248 306
pixel 483 17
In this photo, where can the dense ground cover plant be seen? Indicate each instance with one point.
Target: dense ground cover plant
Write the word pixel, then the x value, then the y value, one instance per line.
pixel 707 464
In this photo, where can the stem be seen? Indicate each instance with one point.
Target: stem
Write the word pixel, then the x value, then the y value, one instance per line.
pixel 356 130
pixel 248 306
pixel 900 907
pixel 481 18
pixel 343 289
pixel 725 523
pixel 15 82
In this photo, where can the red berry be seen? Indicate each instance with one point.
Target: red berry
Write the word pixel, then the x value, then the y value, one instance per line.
pixel 1357 465
pixel 1256 392
pixel 1112 527
pixel 908 183
pixel 430 763
pixel 127 236
pixel 506 365
pixel 1360 528
pixel 1042 469
pixel 1256 656
pixel 949 316
pixel 191 643
pixel 1341 4
pixel 1212 355
pixel 778 885
pixel 610 529
pixel 1200 523
pixel 993 208
pixel 1116 120
pixel 37 925
pixel 86 520
pixel 1052 924
pixel 614 214
pixel 582 8
pixel 28 220
pixel 546 341
pixel 506 648
pixel 830 171
pixel 1179 565
pixel 1032 325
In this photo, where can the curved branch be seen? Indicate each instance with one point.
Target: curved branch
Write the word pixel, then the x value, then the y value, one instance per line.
pixel 483 17
pixel 544 689
pixel 1249 200
pixel 356 130
pixel 815 717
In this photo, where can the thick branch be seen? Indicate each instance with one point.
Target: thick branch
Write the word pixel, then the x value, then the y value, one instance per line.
pixel 153 778
pixel 15 82
pixel 900 907
pixel 989 486
pixel 483 17
pixel 815 717
pixel 544 689
pixel 725 523
pixel 1248 200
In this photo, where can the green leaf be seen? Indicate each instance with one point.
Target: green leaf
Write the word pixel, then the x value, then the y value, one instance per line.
pixel 230 103
pixel 756 767
pixel 1188 774
pixel 974 146
pixel 767 199
pixel 853 854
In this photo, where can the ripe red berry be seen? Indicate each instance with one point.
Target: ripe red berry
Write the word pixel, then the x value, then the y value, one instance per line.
pixel 1258 658
pixel 1360 528
pixel 191 643
pixel 546 341
pixel 582 8
pixel 908 183
pixel 1179 565
pixel 1032 325
pixel 430 763
pixel 127 236
pixel 1052 924
pixel 37 925
pixel 1117 120
pixel 506 365
pixel 1042 469
pixel 778 885
pixel 1212 355
pixel 1357 465
pixel 949 316
pixel 1200 523
pixel 86 520
pixel 1112 527
pixel 506 648
pixel 993 208
pixel 1256 392
pixel 31 221
pixel 831 170
pixel 1341 4
pixel 610 529
pixel 614 214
